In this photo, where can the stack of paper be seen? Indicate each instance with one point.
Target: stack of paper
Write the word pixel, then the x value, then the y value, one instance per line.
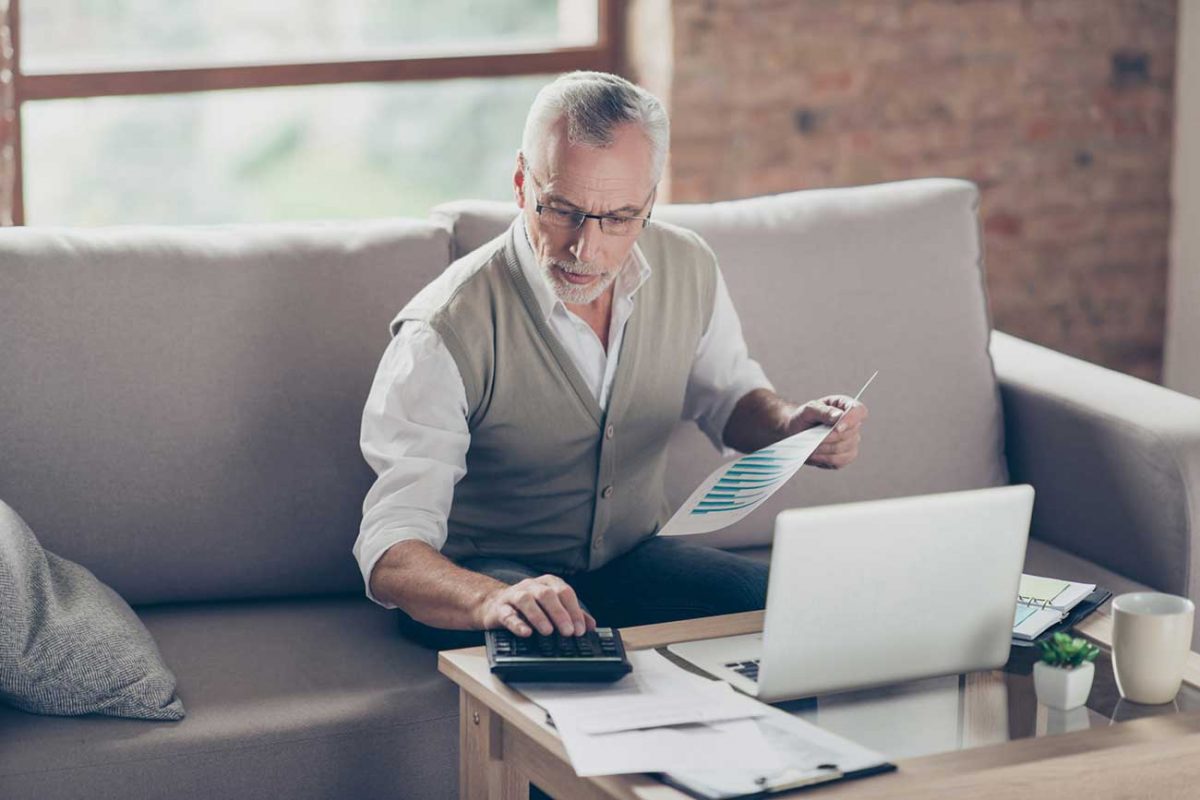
pixel 696 733
pixel 658 718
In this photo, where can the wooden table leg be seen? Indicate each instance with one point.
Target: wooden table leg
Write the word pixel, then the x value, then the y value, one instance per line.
pixel 482 770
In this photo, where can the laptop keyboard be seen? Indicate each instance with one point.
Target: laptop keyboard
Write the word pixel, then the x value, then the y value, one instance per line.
pixel 748 669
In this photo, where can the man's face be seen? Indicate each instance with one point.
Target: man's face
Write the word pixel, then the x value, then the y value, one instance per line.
pixel 582 264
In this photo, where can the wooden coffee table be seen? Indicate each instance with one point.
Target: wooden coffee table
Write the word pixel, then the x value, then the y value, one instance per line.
pixel 506 744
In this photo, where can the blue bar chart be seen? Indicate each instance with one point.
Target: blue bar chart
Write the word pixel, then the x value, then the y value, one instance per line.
pixel 746 482
pixel 735 489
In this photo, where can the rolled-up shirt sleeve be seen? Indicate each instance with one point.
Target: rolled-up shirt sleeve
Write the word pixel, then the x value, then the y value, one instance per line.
pixel 723 371
pixel 415 436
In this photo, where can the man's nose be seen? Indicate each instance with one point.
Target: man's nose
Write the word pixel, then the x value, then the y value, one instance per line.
pixel 587 240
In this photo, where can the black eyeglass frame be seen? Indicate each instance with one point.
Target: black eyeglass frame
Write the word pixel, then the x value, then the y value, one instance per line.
pixel 582 217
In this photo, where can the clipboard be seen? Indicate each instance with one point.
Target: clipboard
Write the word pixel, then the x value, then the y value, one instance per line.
pixel 812 756
pixel 824 775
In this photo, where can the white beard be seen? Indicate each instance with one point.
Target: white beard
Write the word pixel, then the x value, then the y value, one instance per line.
pixel 571 293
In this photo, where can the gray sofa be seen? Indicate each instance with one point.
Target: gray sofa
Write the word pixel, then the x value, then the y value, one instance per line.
pixel 179 411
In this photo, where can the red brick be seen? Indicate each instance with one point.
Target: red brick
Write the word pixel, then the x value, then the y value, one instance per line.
pixel 1016 96
pixel 1002 224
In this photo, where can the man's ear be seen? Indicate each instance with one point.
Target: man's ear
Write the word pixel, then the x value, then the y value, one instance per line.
pixel 519 180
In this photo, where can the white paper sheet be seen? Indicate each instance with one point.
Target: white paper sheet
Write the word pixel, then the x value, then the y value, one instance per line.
pixel 656 693
pixel 1053 593
pixel 631 725
pixel 739 745
pixel 1029 622
pixel 735 489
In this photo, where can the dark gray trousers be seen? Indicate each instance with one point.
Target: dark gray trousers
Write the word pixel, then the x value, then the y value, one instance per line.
pixel 660 580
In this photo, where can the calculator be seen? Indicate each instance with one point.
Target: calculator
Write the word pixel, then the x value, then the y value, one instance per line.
pixel 597 655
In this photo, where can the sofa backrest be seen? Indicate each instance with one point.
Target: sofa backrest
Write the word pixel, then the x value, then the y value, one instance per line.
pixel 832 285
pixel 180 407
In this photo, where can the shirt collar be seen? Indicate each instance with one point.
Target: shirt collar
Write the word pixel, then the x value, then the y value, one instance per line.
pixel 635 272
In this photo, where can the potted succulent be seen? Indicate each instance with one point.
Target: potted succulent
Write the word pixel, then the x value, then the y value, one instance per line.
pixel 1062 678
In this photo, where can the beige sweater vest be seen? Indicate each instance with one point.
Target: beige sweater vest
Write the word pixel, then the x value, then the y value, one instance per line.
pixel 552 481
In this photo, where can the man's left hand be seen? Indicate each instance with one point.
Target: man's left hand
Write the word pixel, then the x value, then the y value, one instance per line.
pixel 846 415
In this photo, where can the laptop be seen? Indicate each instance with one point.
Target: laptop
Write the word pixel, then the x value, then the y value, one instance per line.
pixel 879 592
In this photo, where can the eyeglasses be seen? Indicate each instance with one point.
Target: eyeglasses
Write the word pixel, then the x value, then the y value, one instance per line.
pixel 572 220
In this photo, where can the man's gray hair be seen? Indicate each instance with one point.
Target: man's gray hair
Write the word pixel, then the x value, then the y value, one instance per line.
pixel 593 103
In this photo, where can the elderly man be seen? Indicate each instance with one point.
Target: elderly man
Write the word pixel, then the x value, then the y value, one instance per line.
pixel 519 419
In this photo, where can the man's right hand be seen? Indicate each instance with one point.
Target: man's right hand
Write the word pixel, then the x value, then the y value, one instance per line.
pixel 546 603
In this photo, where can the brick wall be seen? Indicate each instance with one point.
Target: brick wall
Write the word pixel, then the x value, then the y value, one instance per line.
pixel 1060 110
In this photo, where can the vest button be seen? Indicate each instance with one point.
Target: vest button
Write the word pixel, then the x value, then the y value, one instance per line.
pixel 607 493
pixel 610 432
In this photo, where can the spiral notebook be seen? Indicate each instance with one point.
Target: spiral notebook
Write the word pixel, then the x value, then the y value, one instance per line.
pixel 1042 603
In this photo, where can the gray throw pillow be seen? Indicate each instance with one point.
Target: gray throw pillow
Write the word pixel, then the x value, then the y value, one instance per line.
pixel 68 643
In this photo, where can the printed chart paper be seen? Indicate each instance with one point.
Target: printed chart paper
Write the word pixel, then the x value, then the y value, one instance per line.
pixel 735 489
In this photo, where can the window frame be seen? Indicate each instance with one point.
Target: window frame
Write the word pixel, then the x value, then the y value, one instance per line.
pixel 605 55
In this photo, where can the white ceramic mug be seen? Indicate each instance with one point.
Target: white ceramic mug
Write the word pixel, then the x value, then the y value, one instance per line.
pixel 1152 636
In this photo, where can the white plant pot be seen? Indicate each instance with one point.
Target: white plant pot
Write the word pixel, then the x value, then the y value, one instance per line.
pixel 1063 689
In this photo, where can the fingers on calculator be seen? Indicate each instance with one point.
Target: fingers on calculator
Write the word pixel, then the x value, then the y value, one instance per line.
pixel 597 655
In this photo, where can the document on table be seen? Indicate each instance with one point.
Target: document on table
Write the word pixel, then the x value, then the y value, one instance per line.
pixel 809 755
pixel 735 489
pixel 659 717
pixel 736 744
pixel 655 693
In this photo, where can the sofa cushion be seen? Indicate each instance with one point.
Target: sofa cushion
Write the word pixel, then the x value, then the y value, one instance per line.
pixel 832 285
pixel 181 406
pixel 68 643
pixel 314 698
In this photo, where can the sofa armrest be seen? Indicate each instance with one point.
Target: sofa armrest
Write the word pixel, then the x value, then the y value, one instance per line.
pixel 1115 462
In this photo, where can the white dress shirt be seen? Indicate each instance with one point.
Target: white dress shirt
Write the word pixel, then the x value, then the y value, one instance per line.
pixel 414 428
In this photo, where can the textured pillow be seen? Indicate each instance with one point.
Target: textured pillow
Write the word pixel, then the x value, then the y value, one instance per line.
pixel 68 643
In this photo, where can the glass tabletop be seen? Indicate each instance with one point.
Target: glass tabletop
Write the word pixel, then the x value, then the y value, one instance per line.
pixel 959 712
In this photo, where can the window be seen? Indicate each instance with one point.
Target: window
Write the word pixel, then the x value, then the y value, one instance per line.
pixel 177 111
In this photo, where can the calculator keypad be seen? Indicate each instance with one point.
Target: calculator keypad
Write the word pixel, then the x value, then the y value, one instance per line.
pixel 596 655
